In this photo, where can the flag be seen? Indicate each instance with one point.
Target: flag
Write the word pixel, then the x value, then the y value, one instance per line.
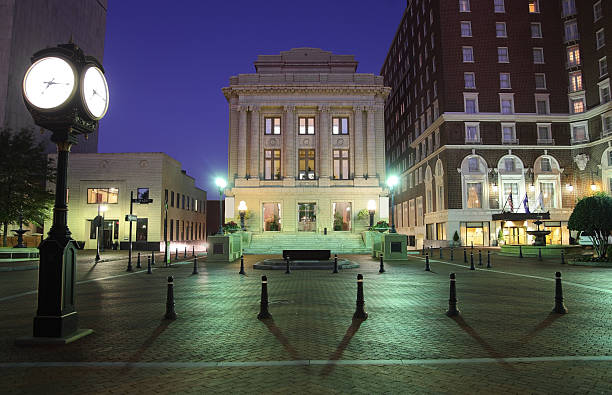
pixel 511 202
pixel 526 204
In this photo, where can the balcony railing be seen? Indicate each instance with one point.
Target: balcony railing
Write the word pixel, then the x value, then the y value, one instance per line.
pixel 510 141
pixel 579 140
pixel 546 141
pixel 473 141
pixel 306 175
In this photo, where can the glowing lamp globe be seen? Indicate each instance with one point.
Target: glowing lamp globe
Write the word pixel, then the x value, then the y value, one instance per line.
pixel 392 181
pixel 242 206
pixel 220 182
pixel 371 205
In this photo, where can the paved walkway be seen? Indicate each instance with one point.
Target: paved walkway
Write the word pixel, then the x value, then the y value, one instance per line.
pixel 505 341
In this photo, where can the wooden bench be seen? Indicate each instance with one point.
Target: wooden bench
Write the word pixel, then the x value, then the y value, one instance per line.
pixel 307 255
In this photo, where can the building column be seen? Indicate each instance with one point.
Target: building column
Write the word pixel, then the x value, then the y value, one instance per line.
pixel 242 141
pixel 255 151
pixel 233 144
pixel 324 136
pixel 289 148
pixel 358 140
pixel 371 142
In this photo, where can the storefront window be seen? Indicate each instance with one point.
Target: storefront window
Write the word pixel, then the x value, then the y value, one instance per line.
pixel 342 216
pixel 556 232
pixel 272 216
pixel 142 225
pixel 476 233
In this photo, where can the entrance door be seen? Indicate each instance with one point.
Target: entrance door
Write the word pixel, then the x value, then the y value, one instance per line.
pixel 516 235
pixel 271 214
pixel 307 217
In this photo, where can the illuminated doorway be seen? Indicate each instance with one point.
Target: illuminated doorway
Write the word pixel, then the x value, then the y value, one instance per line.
pixel 271 214
pixel 307 217
pixel 342 216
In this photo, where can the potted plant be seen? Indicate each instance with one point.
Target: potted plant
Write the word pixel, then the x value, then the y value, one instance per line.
pixel 231 227
pixel 500 237
pixel 456 239
pixel 363 214
pixel 337 222
pixel 381 226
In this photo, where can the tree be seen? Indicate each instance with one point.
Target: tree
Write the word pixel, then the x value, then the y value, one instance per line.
pixel 24 171
pixel 593 216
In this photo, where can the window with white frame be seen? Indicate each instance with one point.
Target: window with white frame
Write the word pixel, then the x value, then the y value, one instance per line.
pixel 536 30
pixel 473 165
pixel 577 104
pixel 600 38
pixel 504 81
pixel 511 180
pixel 580 132
pixel 464 5
pixel 538 55
pixel 540 81
pixel 499 6
pixel 468 54
pixel 545 165
pixel 542 104
pixel 419 214
pixel 508 133
pixel 502 55
pixel 573 56
pixel 606 121
pixel 603 66
pixel 474 194
pixel 547 191
pixel 470 102
pixel 571 30
pixel 466 29
pixel 604 91
pixel 472 132
pixel 506 103
pixel 469 80
pixel 575 81
pixel 597 11
pixel 544 133
pixel 569 7
pixel 474 181
pixel 534 6
pixel 500 30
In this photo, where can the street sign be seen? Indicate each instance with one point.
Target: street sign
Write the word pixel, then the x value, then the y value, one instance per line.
pixel 142 201
pixel 130 217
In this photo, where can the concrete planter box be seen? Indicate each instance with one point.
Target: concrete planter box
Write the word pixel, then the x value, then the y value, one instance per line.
pixel 227 248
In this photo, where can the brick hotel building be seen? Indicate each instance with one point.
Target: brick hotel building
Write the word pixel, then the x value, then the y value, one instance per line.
pixel 493 101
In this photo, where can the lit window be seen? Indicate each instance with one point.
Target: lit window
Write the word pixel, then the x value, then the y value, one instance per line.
pixel 468 55
pixel 534 6
pixel 306 165
pixel 307 125
pixel 340 126
pixel 575 81
pixel 597 11
pixel 272 164
pixel 474 194
pixel 502 55
pixel 603 66
pixel 273 125
pixel 571 30
pixel 579 133
pixel 536 30
pixel 577 105
pixel 540 81
pixel 547 190
pixel 600 38
pixel 466 29
pixel 102 195
pixel 504 80
pixel 341 164
pixel 573 56
pixel 499 6
pixel 464 5
pixel 469 80
pixel 500 29
pixel 538 55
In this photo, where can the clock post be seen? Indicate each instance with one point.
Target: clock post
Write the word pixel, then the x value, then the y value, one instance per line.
pixel 56 320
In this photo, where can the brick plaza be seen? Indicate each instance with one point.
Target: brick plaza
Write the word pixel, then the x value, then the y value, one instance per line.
pixel 505 341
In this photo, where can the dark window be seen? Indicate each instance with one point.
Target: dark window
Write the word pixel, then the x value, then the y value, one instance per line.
pixel 166 197
pixel 183 202
pixel 171 198
pixel 341 164
pixel 92 230
pixel 116 230
pixel 171 230
pixel 142 226
pixel 143 193
pixel 177 229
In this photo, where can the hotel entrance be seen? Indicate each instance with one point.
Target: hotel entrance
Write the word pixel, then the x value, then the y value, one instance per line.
pixel 476 233
pixel 307 217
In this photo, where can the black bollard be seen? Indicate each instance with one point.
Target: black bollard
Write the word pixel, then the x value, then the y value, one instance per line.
pixel 176 254
pixel 382 265
pixel 452 254
pixel 192 250
pixel 129 266
pixel 149 265
pixel 153 258
pixel 440 249
pixel 335 263
pixel 185 254
pixel 423 252
pixel 452 300
pixel 138 265
pixel 464 255
pixel 479 258
pixel 241 265
pixel 195 266
pixel 539 254
pixel 562 257
pixel 170 313
pixel 559 306
pixel 472 261
pixel 427 268
pixel 488 259
pixel 360 313
pixel 288 270
pixel 263 308
pixel 472 245
pixel 520 251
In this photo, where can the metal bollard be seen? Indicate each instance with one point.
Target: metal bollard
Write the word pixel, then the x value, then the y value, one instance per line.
pixel 472 261
pixel 520 251
pixel 192 250
pixel 153 258
pixel 559 306
pixel 241 265
pixel 539 254
pixel 427 268
pixel 195 266
pixel 562 257
pixel 464 255
pixel 185 254
pixel 176 254
pixel 452 300
pixel 149 265
pixel 335 263
pixel 170 313
pixel 452 254
pixel 263 308
pixel 288 270
pixel 360 313
pixel 423 252
pixel 382 265
pixel 440 249
pixel 129 266
pixel 488 259
pixel 479 258
pixel 138 266
pixel 472 245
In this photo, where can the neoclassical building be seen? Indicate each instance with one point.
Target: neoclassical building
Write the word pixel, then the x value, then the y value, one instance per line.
pixel 306 143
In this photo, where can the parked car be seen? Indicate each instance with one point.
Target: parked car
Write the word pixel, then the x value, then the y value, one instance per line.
pixel 584 239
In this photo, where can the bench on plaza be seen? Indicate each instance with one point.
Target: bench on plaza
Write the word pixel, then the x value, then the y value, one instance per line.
pixel 307 255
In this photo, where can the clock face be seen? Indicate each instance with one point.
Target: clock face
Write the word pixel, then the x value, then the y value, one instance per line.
pixel 95 92
pixel 49 83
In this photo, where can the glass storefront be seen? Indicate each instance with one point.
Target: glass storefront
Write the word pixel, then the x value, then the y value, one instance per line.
pixel 556 232
pixel 271 216
pixel 515 235
pixel 307 217
pixel 476 233
pixel 342 216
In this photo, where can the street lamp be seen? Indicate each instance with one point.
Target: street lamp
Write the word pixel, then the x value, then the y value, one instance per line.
pixel 371 210
pixel 221 184
pixel 242 208
pixel 102 209
pixel 392 181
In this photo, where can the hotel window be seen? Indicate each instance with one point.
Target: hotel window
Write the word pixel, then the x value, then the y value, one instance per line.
pixel 577 105
pixel 340 126
pixel 573 56
pixel 341 164
pixel 538 55
pixel 171 198
pixel 499 6
pixel 272 164
pixel 534 6
pixel 542 104
pixel 306 164
pixel 575 81
pixel 597 11
pixel 509 165
pixel 419 201
pixel 544 134
pixel 502 55
pixel 473 166
pixel 470 101
pixel 571 30
pixel 466 29
pixel 273 125
pixel 508 133
pixel 500 30
pixel 604 91
pixel 536 30
pixel 307 125
pixel 547 189
pixel 603 66
pixel 506 102
pixel 472 133
pixel 504 80
pixel 468 55
pixel 464 5
pixel 540 81
pixel 545 165
pixel 579 133
pixel 171 230
pixel 607 126
pixel 569 7
pixel 474 195
pixel 600 38
pixel 102 195
pixel 469 80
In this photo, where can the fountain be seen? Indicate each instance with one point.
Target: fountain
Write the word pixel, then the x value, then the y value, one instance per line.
pixel 20 232
pixel 540 235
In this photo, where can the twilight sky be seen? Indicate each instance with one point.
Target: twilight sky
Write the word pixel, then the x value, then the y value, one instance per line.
pixel 166 62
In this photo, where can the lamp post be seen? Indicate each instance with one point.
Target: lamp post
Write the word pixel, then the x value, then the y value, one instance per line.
pixel 65 92
pixel 371 210
pixel 221 184
pixel 101 208
pixel 391 183
pixel 242 208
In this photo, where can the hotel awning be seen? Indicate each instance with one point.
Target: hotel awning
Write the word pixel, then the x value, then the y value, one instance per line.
pixel 508 216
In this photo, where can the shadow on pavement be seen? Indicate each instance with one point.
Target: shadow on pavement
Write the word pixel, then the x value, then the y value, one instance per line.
pixel 350 332
pixel 552 317
pixel 150 340
pixel 275 330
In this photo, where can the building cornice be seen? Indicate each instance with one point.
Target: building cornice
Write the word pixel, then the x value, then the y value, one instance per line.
pixel 344 89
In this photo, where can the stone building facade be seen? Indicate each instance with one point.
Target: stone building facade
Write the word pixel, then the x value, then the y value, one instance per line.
pixel 306 143
pixel 497 106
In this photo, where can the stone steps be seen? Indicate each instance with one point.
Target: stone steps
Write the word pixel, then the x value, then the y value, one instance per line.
pixel 275 243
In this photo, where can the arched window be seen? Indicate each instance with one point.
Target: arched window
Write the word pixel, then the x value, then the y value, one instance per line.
pixel 429 207
pixel 439 183
pixel 547 187
pixel 511 176
pixel 474 182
